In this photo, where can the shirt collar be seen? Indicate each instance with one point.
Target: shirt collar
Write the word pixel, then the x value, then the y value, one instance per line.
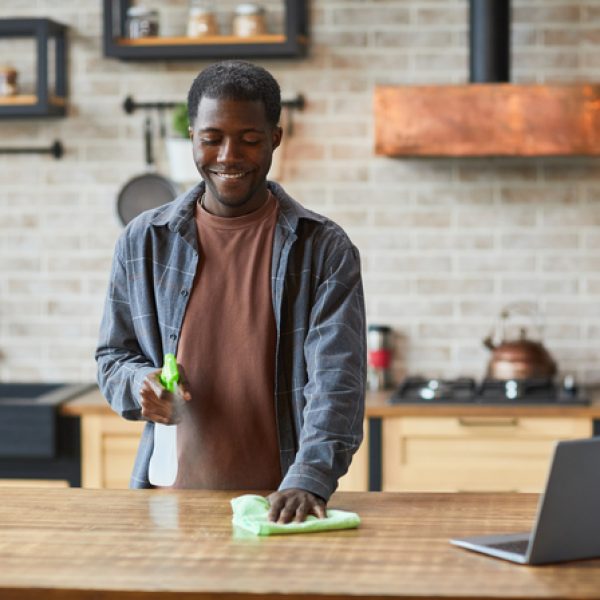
pixel 180 211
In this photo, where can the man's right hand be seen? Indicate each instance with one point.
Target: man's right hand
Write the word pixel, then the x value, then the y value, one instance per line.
pixel 160 405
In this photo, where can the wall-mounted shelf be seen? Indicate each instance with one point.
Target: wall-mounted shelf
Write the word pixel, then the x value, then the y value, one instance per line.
pixel 291 43
pixel 45 102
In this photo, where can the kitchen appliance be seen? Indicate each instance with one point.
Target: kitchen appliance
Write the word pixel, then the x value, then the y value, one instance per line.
pixel 36 441
pixel 490 116
pixel 466 390
pixel 379 358
pixel 519 358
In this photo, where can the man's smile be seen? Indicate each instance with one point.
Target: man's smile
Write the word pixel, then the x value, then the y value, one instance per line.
pixel 228 175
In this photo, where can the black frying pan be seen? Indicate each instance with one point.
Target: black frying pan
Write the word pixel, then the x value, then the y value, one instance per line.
pixel 145 191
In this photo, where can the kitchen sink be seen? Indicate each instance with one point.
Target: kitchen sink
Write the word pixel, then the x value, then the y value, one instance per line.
pixel 29 417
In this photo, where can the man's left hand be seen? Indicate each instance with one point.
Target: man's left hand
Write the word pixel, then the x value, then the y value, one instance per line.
pixel 295 505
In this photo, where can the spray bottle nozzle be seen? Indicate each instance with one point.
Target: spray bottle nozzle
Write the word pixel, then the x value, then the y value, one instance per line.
pixel 169 376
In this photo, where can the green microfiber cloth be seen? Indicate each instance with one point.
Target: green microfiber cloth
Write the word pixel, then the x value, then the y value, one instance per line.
pixel 250 514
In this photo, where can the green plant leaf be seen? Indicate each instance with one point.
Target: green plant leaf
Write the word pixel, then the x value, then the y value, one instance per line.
pixel 180 120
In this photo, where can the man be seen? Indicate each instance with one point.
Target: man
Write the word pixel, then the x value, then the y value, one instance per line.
pixel 262 302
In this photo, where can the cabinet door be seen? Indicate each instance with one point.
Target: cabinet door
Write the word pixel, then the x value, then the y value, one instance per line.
pixel 472 453
pixel 109 446
pixel 357 477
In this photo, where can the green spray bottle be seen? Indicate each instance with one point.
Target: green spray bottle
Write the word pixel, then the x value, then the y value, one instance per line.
pixel 162 470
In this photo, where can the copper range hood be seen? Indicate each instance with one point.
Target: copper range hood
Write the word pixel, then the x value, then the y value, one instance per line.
pixel 488 116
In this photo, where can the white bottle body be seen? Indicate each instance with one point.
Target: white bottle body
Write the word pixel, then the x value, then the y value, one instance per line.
pixel 162 470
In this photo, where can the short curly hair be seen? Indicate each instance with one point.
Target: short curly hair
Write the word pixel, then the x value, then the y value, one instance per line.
pixel 236 80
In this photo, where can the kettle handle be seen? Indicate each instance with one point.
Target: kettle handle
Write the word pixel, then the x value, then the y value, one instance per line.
pixel 499 330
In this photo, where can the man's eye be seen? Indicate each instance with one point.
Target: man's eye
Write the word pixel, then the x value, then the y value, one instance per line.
pixel 252 141
pixel 209 141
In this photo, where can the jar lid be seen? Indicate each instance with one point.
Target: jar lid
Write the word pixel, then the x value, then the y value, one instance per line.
pixel 198 11
pixel 141 11
pixel 249 9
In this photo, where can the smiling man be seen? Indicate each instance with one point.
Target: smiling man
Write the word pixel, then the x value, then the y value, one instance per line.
pixel 262 302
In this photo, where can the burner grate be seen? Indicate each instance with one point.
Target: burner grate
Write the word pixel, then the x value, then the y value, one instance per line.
pixel 465 390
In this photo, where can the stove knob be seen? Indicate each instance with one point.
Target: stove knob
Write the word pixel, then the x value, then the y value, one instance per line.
pixel 569 386
pixel 511 389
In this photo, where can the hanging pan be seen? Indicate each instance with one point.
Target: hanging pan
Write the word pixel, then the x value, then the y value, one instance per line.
pixel 146 191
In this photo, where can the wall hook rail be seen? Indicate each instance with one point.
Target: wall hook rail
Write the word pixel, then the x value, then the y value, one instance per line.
pixel 56 149
pixel 130 105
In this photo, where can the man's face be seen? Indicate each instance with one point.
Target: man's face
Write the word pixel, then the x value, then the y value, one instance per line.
pixel 233 145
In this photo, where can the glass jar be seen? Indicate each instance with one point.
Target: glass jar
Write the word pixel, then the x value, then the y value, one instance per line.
pixel 8 81
pixel 141 22
pixel 249 20
pixel 201 22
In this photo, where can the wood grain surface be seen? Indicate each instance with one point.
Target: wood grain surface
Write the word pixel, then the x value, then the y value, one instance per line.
pixel 100 544
pixel 498 119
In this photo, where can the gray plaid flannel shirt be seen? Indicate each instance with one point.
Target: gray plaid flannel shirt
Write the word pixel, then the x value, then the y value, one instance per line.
pixel 320 318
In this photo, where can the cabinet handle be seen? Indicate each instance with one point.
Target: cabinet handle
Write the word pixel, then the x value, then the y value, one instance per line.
pixel 514 491
pixel 488 421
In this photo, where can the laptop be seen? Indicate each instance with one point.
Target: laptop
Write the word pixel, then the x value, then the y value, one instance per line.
pixel 567 525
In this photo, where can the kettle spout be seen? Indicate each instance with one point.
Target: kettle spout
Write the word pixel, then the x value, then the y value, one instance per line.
pixel 488 343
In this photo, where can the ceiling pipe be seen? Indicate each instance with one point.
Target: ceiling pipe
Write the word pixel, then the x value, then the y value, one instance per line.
pixel 489 41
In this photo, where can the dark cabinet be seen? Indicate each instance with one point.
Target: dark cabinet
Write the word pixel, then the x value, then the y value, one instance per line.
pixel 50 97
pixel 291 42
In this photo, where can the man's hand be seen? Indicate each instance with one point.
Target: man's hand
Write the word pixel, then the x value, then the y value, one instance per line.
pixel 295 505
pixel 160 405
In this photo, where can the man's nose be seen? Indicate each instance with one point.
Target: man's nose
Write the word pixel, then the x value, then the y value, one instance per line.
pixel 229 150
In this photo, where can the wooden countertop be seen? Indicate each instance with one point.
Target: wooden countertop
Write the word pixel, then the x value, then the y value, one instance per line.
pixel 100 544
pixel 377 405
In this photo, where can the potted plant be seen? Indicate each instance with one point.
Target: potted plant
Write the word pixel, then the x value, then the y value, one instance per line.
pixel 179 148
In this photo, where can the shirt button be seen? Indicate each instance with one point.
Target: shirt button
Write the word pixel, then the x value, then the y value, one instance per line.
pixel 184 293
pixel 173 337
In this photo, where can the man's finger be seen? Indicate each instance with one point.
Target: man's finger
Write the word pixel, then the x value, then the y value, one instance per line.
pixel 319 510
pixel 155 385
pixel 301 512
pixel 277 502
pixel 287 512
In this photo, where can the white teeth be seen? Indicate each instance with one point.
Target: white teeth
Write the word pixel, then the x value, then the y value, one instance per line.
pixel 230 175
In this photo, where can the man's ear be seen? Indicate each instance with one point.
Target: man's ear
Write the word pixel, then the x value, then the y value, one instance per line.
pixel 277 135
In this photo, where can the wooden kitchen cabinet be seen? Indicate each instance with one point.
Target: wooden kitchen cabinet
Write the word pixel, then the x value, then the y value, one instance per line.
pixel 357 477
pixel 473 453
pixel 108 448
pixel 109 445
pixel 423 448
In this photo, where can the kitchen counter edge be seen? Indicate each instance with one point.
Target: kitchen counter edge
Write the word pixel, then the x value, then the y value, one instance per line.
pixel 92 402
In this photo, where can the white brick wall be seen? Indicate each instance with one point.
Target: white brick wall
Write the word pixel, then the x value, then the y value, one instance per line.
pixel 445 243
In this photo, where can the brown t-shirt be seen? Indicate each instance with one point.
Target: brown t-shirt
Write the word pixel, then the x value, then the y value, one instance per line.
pixel 228 436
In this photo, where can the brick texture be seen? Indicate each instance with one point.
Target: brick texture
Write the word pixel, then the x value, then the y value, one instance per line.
pixel 445 243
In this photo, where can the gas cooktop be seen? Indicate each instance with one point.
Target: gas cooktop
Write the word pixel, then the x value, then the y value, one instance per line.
pixel 464 390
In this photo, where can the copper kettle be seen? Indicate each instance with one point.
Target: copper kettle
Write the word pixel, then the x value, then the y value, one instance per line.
pixel 520 358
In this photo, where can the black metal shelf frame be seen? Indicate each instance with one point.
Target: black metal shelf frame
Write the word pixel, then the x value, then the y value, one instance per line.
pixel 296 31
pixel 43 30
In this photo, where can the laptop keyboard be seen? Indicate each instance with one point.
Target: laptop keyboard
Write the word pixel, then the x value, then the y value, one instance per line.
pixel 518 547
